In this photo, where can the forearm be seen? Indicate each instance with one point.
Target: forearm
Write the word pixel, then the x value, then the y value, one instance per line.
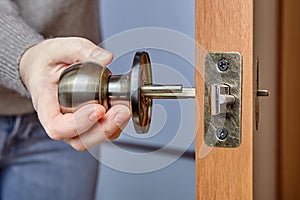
pixel 15 37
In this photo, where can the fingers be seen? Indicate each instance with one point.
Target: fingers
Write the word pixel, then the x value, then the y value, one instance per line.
pixel 59 126
pixel 60 51
pixel 87 116
pixel 111 123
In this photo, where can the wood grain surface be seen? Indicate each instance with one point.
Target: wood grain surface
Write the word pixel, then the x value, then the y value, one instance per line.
pixel 225 25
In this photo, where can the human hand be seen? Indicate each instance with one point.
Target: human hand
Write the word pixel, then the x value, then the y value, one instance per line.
pixel 40 68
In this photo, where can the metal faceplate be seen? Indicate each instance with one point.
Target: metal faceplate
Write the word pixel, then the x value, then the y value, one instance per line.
pixel 223 129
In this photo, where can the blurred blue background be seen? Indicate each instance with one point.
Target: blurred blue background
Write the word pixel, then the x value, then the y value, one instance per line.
pixel 176 181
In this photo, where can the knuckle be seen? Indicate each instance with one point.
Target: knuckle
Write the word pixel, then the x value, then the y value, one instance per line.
pixel 77 48
pixel 82 40
pixel 82 45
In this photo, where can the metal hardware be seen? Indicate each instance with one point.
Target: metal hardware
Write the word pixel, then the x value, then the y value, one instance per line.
pixel 85 83
pixel 220 99
pixel 223 64
pixel 223 99
pixel 259 93
pixel 263 93
pixel 167 92
pixel 88 82
pixel 222 133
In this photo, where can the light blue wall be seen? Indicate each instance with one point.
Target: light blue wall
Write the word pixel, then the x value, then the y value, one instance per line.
pixel 177 180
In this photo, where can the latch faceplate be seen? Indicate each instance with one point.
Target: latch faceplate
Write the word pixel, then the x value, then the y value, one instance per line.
pixel 223 99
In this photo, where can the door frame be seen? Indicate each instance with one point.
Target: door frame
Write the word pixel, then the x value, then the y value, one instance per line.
pixel 225 26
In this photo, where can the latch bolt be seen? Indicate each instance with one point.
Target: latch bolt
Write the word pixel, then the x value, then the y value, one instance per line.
pixel 220 99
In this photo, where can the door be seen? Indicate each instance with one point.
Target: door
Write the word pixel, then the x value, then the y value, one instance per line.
pixel 225 26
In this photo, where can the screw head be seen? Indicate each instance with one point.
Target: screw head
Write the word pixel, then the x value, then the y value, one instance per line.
pixel 221 133
pixel 223 64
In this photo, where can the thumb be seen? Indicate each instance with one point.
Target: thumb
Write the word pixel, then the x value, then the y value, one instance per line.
pixel 101 56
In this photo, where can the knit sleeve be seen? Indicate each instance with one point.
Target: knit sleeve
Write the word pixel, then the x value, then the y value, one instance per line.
pixel 15 37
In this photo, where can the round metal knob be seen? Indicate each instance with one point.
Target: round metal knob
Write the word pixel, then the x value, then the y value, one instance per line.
pixel 88 82
pixel 81 84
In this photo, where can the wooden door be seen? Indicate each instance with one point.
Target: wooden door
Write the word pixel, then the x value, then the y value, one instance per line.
pixel 225 26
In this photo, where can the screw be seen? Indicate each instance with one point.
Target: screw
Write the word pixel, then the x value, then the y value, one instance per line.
pixel 221 133
pixel 223 64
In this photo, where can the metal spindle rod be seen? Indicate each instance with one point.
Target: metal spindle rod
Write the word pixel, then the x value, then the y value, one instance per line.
pixel 167 92
pixel 262 93
pixel 161 88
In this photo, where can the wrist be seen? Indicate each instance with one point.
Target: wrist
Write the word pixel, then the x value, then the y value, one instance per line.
pixel 25 61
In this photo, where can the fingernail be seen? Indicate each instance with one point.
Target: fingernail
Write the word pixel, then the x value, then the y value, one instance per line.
pixel 97 114
pixel 121 117
pixel 100 54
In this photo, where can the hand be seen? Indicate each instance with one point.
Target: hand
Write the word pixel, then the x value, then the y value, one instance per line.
pixel 40 69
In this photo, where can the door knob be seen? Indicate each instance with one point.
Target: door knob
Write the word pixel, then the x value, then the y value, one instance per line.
pixel 88 82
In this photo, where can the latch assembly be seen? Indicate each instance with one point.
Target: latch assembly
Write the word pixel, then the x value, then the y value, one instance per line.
pixel 223 99
pixel 220 99
pixel 88 82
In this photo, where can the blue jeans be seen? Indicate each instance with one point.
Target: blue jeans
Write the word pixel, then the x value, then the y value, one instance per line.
pixel 32 166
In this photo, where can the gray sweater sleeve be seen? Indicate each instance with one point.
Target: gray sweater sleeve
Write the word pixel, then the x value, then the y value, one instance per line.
pixel 15 37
